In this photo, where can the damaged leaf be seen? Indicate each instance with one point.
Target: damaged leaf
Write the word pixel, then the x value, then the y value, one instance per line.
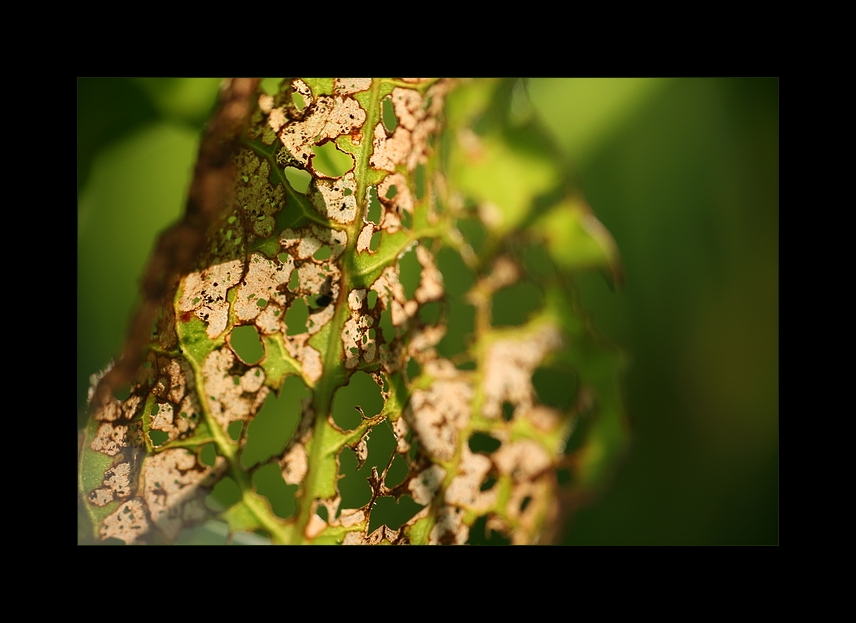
pixel 332 360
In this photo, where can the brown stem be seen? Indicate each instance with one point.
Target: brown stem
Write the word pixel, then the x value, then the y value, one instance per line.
pixel 209 197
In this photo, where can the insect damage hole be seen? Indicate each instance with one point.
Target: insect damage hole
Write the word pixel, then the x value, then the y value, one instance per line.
pixel 394 513
pixel 298 179
pixel 374 207
pixel 296 317
pixel 361 391
pixel 269 483
pixel 224 495
pixel 298 101
pixel 390 120
pixel 481 534
pixel 484 443
pixel 555 386
pixel 352 485
pixel 246 344
pixel 208 455
pixel 410 272
pixel 327 160
pixel 275 423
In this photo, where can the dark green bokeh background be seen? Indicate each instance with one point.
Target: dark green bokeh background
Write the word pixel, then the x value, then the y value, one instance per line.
pixel 683 172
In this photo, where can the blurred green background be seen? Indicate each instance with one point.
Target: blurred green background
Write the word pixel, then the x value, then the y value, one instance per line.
pixel 683 172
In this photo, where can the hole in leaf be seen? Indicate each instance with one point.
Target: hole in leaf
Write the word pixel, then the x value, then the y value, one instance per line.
pixel 225 494
pixel 353 486
pixel 269 483
pixel 158 437
pixel 380 444
pixel 208 455
pixel 361 391
pixel 430 312
pixel 393 513
pixel 245 341
pixel 413 369
pixel 483 443
pixel 375 241
pixel 513 305
pixel 488 483
pixel 390 120
pixel 579 435
pixel 525 503
pixel 372 298
pixel 507 411
pixel 391 192
pixel 374 206
pixel 123 393
pixel 298 100
pixel 322 253
pixel 296 317
pixel 275 423
pixel 398 471
pixel 321 511
pixel 298 179
pixel 410 272
pixel 479 534
pixel 555 387
pixel 294 281
pixel 329 161
pixel 236 427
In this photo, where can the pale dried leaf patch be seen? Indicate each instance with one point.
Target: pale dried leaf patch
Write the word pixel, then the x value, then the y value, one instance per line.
pixel 349 86
pixel 327 118
pixel 232 397
pixel 295 464
pixel 410 143
pixel 175 485
pixel 204 294
pixel 450 527
pixel 509 366
pixel 336 199
pixel 128 523
pixel 402 201
pixel 117 484
pixel 441 412
pixel 431 281
pixel 382 534
pixel 364 240
pixel 464 488
pixel 424 485
pixel 522 460
pixel 264 284
pixel 110 439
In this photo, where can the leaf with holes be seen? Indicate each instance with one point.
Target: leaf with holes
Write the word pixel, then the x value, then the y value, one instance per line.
pixel 365 330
